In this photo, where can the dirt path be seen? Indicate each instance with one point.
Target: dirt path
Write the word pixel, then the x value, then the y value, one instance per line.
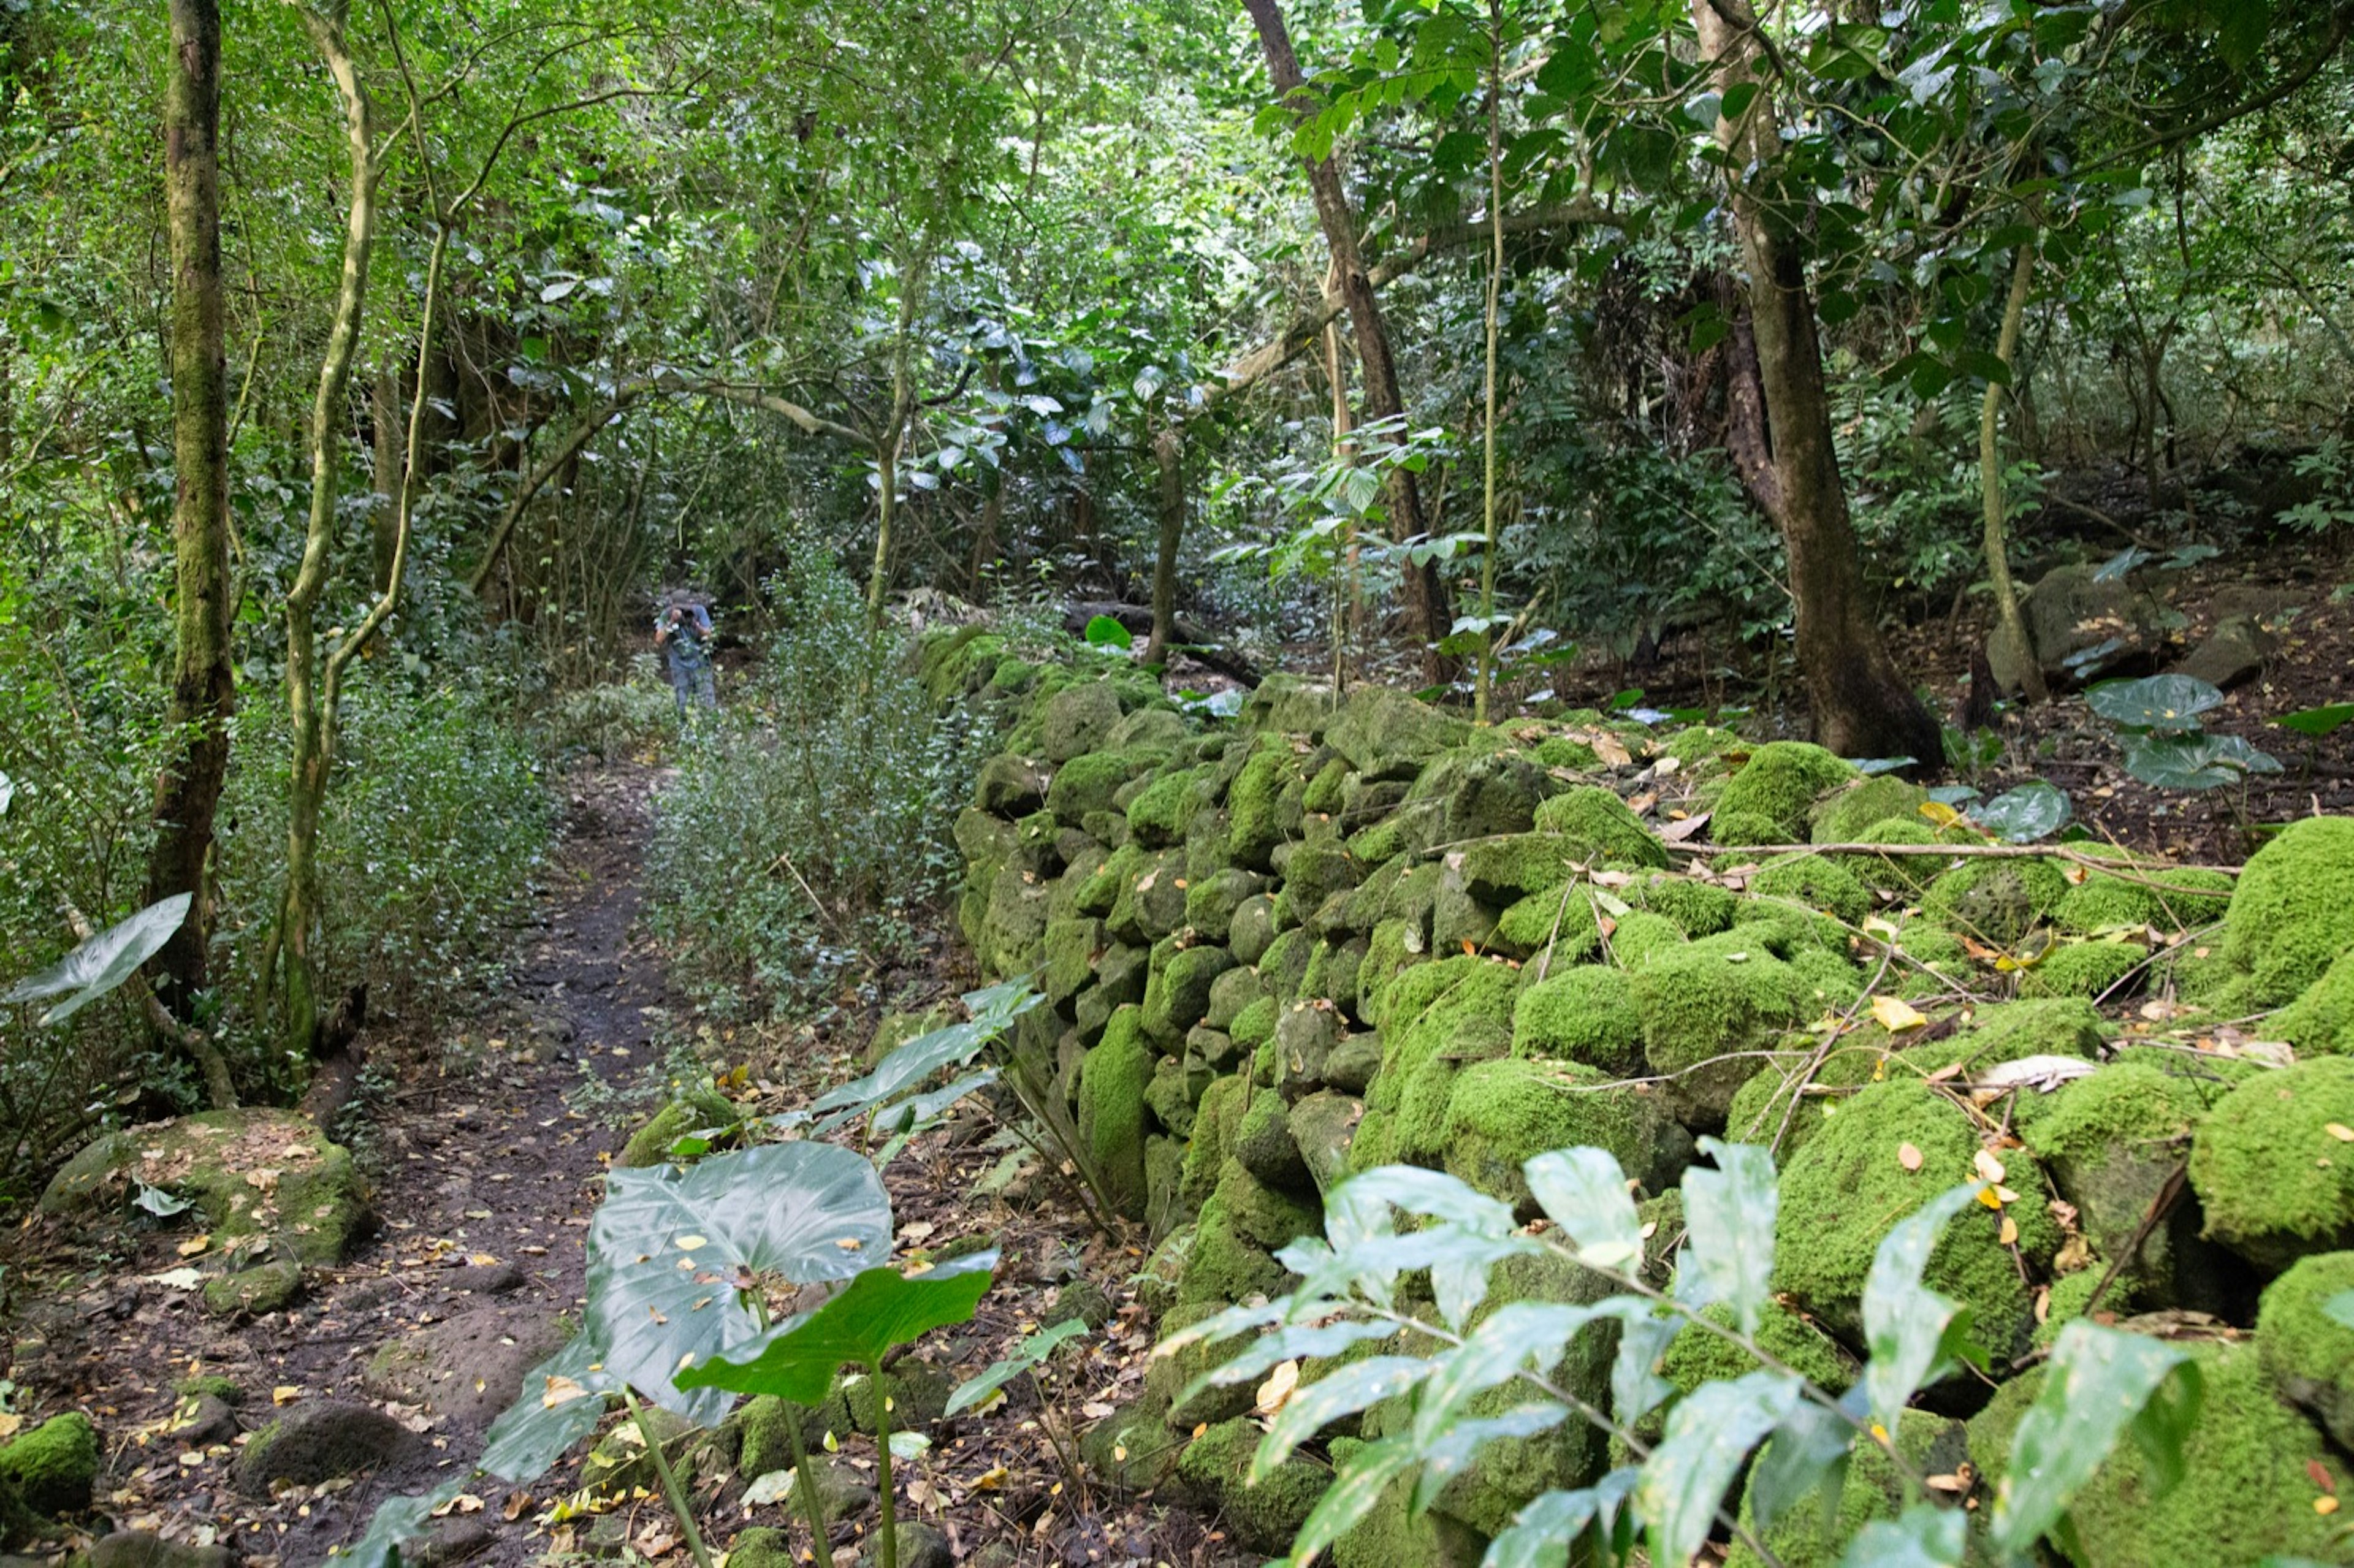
pixel 486 1170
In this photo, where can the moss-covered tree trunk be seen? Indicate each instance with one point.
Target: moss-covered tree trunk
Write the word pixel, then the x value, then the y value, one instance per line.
pixel 1862 705
pixel 1169 459
pixel 204 692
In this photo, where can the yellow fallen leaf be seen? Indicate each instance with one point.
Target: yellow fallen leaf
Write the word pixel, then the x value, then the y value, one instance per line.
pixel 1987 1166
pixel 1939 813
pixel 1987 1195
pixel 1908 1157
pixel 194 1245
pixel 2325 1505
pixel 2008 1236
pixel 2340 1131
pixel 561 1391
pixel 1896 1015
pixel 688 1244
pixel 1277 1390
pixel 285 1393
pixel 989 1480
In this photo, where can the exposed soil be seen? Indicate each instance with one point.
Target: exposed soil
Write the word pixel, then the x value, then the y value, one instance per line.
pixel 488 1160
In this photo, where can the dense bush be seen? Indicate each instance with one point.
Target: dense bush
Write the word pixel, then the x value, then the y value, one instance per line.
pixel 810 825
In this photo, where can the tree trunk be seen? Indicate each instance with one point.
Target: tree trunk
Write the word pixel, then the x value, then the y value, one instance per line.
pixel 204 694
pixel 1169 456
pixel 2012 626
pixel 1862 706
pixel 384 418
pixel 1426 595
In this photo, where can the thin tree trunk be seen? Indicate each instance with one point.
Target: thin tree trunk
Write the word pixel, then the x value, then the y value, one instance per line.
pixel 203 692
pixel 1168 457
pixel 383 418
pixel 2013 626
pixel 1862 706
pixel 1485 686
pixel 1425 594
pixel 306 703
pixel 886 449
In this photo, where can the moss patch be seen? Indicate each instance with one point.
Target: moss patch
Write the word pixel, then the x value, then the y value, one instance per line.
pixel 695 1109
pixel 1599 826
pixel 1265 1516
pixel 2307 1353
pixel 1112 1085
pixel 1814 882
pixel 1582 1014
pixel 1997 901
pixel 2091 969
pixel 2321 1022
pixel 1838 818
pixel 1700 1001
pixel 53 1466
pixel 1780 784
pixel 2291 919
pixel 1502 1113
pixel 2276 1182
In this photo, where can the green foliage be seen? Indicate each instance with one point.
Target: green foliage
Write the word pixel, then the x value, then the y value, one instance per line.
pixel 880 1309
pixel 102 962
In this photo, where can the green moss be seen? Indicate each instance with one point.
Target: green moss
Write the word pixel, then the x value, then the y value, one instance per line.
pixel 1284 965
pixel 1087 783
pixel 1216 1116
pixel 1177 993
pixel 1166 1378
pixel 2249 1484
pixel 1582 1013
pixel 2084 969
pixel 1904 874
pixel 2307 1353
pixel 1599 826
pixel 2321 1022
pixel 1838 818
pixel 694 1109
pixel 2011 1031
pixel 1560 751
pixel 1701 742
pixel 1542 920
pixel 2277 1183
pixel 1815 882
pixel 1780 783
pixel 1481 797
pixel 1736 828
pixel 1071 948
pixel 2186 899
pixel 1498 871
pixel 1226 1266
pixel 1103 887
pixel 2111 1142
pixel 1258 1212
pixel 52 1467
pixel 2291 919
pixel 1378 841
pixel 1112 1083
pixel 1761 1110
pixel 1698 908
pixel 1695 1356
pixel 1805 1537
pixel 1460 985
pixel 1265 1516
pixel 1997 901
pixel 1262 806
pixel 225 1389
pixel 1325 793
pixel 1701 1002
pixel 1502 1113
pixel 1846 1188
pixel 1162 814
pixel 1828 982
pixel 1640 937
pixel 1385 732
pixel 1253 1026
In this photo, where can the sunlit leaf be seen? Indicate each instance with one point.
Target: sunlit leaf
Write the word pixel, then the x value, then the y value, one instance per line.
pixel 880 1309
pixel 2165 703
pixel 103 962
pixel 1585 1193
pixel 2023 815
pixel 1729 1227
pixel 2100 1383
pixel 1709 1435
pixel 1923 1536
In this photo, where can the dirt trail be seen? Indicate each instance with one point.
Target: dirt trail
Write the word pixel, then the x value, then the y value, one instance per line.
pixel 485 1176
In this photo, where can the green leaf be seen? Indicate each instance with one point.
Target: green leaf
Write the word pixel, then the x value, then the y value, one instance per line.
pixel 1344 1391
pixel 1355 1492
pixel 561 1403
pixel 1521 1336
pixel 397 1521
pixel 1450 1452
pixel 1809 1450
pixel 1910 1330
pixel 2099 1383
pixel 2315 722
pixel 1552 1522
pixel 1923 1536
pixel 1585 1193
pixel 103 962
pixel 2194 761
pixel 1709 1432
pixel 993 1010
pixel 1636 1386
pixel 1297 1342
pixel 1729 1219
pixel 1031 1352
pixel 882 1308
pixel 1104 631
pixel 2023 815
pixel 665 1248
pixel 2165 703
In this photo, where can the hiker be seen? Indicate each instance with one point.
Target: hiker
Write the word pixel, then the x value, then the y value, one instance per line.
pixel 683 632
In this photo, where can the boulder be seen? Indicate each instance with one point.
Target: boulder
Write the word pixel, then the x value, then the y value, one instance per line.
pixel 145 1549
pixel 1265 1515
pixel 320 1440
pixel 1386 734
pixel 2234 651
pixel 2308 1353
pixel 1077 720
pixel 53 1466
pixel 2276 1178
pixel 254 1292
pixel 2290 918
pixel 470 1366
pixel 2080 626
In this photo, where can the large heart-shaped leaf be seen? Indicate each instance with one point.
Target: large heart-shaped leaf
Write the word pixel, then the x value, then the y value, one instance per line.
pixel 103 962
pixel 882 1308
pixel 2194 761
pixel 2169 704
pixel 2023 815
pixel 665 1249
pixel 561 1402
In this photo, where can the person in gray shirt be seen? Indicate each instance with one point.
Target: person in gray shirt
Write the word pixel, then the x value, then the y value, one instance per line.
pixel 683 632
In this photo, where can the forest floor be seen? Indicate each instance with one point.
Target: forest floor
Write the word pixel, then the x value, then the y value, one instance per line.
pixel 488 1163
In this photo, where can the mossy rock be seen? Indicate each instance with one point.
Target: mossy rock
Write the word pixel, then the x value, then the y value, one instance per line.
pixel 1902 874
pixel 1700 743
pixel 1736 829
pixel 1568 929
pixel 1111 1124
pixel 2249 1486
pixel 1499 871
pixel 1151 904
pixel 1815 882
pixel 2185 899
pixel 1284 965
pixel 1387 733
pixel 2091 969
pixel 1323 1126
pixel 1698 908
pixel 1252 931
pixel 2308 1353
pixel 53 1466
pixel 1211 902
pixel 1263 807
pixel 1478 797
pixel 1780 783
pixel 1130 1450
pixel 2290 918
pixel 1223 1265
pixel 1502 1113
pixel 1586 1013
pixel 1088 784
pixel 2321 1022
pixel 2276 1180
pixel 1598 826
pixel 2013 1031
pixel 1804 1537
pixel 1641 934
pixel 1827 983
pixel 693 1110
pixel 1701 1004
pixel 1177 993
pixel 1842 817
pixel 1392 1536
pixel 1077 720
pixel 1264 1515
pixel 1997 901
pixel 1261 1144
pixel 253 1173
pixel 1010 786
pixel 1071 948
pixel 1847 1187
pixel 1014 924
pixel 1161 812
pixel 254 1292
pixel 1260 1213
pixel 1761 1112
pixel 1695 1356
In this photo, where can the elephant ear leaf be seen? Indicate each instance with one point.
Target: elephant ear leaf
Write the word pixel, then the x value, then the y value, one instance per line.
pixel 881 1308
pixel 668 1245
pixel 103 962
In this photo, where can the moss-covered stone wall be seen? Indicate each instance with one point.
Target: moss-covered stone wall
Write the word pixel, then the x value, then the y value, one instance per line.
pixel 1332 935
